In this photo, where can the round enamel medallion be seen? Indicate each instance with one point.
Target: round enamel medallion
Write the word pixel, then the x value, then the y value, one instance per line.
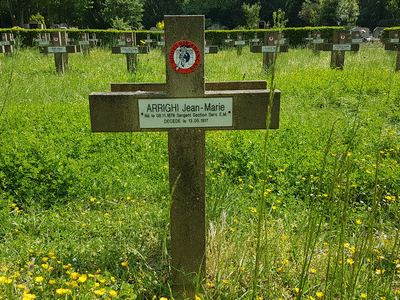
pixel 184 57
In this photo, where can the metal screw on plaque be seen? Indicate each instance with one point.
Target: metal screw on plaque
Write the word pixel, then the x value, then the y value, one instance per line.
pixel 393 44
pixel 127 45
pixel 273 42
pixel 341 44
pixel 186 114
pixel 59 46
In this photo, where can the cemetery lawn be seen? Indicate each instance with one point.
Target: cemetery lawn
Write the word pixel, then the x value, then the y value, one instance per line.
pixel 86 215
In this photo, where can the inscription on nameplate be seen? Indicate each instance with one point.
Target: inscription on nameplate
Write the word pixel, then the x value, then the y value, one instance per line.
pixel 357 41
pixel 57 49
pixel 121 43
pixel 4 43
pixel 318 41
pixel 206 50
pixel 161 43
pixel 44 43
pixel 268 49
pixel 185 112
pixel 340 47
pixel 239 43
pixel 84 43
pixel 255 40
pixel 129 50
pixel 394 40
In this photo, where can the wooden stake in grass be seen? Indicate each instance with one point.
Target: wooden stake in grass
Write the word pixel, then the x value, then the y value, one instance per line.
pixel 185 106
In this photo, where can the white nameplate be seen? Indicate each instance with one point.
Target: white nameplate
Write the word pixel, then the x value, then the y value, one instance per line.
pixel 57 49
pixel 121 43
pixel 148 41
pixel 282 41
pixel 84 43
pixel 318 41
pixel 309 39
pixel 129 50
pixel 161 43
pixel 342 47
pixel 206 50
pixel 185 112
pixel 394 40
pixel 228 41
pixel 357 41
pixel 255 40
pixel 4 43
pixel 268 49
pixel 240 43
pixel 44 43
pixel 92 40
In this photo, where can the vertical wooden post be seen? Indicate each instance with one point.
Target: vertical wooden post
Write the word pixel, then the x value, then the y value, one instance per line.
pixel 131 58
pixel 187 164
pixel 269 40
pixel 337 57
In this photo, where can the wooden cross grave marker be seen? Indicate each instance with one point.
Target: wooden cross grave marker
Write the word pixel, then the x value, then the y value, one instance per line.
pixel 210 49
pixel 86 42
pixel 127 45
pixel 185 107
pixel 6 43
pixel 272 41
pixel 43 39
pixel 338 48
pixel 312 40
pixel 393 44
pixel 59 46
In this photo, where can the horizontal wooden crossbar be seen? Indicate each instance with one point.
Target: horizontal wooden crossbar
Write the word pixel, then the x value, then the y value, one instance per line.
pixel 210 86
pixel 141 49
pixel 329 47
pixel 119 112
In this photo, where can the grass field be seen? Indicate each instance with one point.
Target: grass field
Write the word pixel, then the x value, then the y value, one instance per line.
pixel 86 215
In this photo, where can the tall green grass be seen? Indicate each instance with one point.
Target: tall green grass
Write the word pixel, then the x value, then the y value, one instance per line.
pixel 98 203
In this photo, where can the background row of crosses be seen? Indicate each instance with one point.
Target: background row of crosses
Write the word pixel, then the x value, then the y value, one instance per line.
pixel 341 42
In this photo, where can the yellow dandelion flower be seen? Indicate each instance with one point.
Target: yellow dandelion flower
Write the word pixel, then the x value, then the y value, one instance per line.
pixel 82 278
pixel 313 271
pixel 52 281
pixel 100 292
pixel 39 279
pixel 358 222
pixel 225 281
pixel 363 295
pixel 124 264
pixel 319 294
pixel 113 293
pixel 45 259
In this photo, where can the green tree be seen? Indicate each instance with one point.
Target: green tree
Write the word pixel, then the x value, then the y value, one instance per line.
pixel 125 13
pixel 330 12
pixel 252 13
pixel 393 6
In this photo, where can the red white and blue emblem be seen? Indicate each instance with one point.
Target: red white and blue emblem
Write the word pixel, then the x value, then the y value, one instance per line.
pixel 184 57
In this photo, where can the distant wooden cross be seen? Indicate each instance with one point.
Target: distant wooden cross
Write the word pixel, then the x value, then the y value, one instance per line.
pixel 341 44
pixel 127 45
pixel 43 39
pixel 59 46
pixel 185 107
pixel 210 49
pixel 393 44
pixel 6 43
pixel 86 42
pixel 273 42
